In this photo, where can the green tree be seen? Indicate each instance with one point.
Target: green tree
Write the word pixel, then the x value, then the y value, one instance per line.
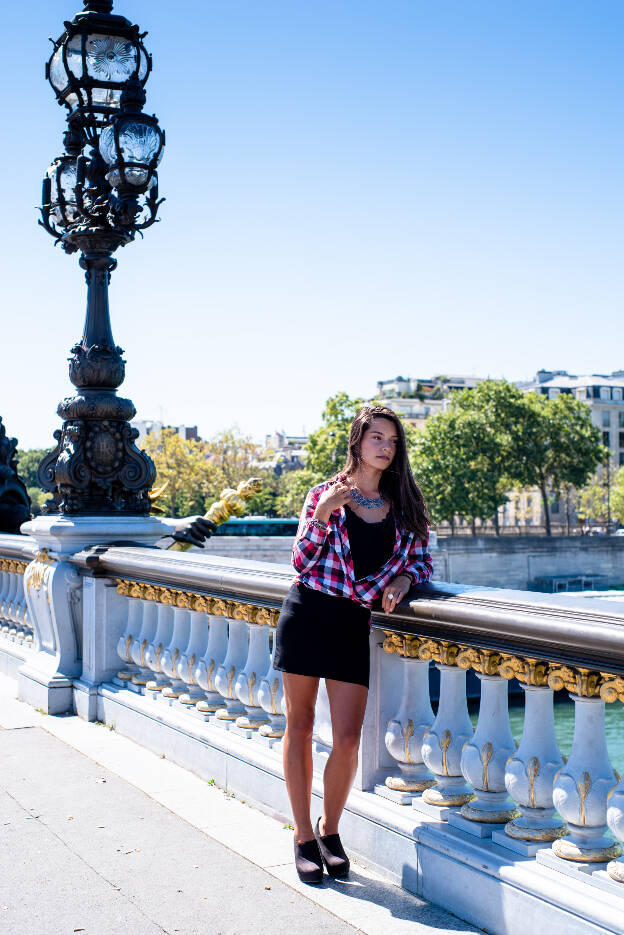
pixel 462 457
pixel 28 461
pixel 183 464
pixel 327 447
pixel 601 500
pixel 293 489
pixel 265 503
pixel 593 501
pixel 554 443
pixel 617 496
pixel 232 458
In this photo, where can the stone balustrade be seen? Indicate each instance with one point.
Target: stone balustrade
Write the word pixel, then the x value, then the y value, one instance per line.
pixel 177 653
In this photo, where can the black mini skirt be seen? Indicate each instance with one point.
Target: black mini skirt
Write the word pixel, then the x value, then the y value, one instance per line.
pixel 324 636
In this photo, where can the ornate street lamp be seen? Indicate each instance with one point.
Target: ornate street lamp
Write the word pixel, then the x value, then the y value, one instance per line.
pixel 96 196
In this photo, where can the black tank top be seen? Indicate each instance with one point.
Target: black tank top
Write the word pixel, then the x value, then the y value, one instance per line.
pixel 371 544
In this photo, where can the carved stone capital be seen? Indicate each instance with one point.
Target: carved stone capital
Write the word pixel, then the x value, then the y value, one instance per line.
pixel 582 682
pixel 528 670
pixel 481 660
pixel 402 644
pixel 612 688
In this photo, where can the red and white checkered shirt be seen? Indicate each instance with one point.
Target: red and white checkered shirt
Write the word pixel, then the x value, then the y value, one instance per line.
pixel 323 559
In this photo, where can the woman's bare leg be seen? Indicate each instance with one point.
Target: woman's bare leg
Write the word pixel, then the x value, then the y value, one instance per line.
pixel 347 704
pixel 300 692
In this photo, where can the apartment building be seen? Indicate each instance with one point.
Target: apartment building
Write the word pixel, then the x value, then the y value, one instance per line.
pixel 416 399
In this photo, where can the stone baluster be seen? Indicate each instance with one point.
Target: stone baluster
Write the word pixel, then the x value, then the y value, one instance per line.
pixel 414 717
pixel 28 627
pixel 271 695
pixel 188 661
pixel 582 786
pixel 207 667
pixel 484 756
pixel 132 627
pixel 322 734
pixel 4 587
pixel 9 610
pixel 229 669
pixel 21 601
pixel 180 636
pixel 154 650
pixel 256 666
pixel 612 690
pixel 530 771
pixel 149 620
pixel 451 729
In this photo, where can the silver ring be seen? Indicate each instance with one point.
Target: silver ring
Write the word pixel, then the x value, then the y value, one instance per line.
pixel 391 596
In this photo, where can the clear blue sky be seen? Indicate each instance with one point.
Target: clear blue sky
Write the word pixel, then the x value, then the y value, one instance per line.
pixel 356 189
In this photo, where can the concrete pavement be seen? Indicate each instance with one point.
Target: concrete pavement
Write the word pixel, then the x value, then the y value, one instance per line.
pixel 101 836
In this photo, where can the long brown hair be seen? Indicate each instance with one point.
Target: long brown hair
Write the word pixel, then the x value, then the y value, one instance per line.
pixel 397 483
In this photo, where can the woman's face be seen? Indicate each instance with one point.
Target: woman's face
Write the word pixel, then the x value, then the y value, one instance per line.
pixel 379 443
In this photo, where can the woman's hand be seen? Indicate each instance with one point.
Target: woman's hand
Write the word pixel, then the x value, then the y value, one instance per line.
pixel 395 592
pixel 332 499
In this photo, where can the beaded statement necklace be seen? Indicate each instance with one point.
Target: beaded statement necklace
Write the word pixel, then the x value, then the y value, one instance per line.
pixel 369 503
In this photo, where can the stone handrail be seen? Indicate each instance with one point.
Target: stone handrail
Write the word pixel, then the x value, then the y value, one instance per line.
pixel 558 629
pixel 181 642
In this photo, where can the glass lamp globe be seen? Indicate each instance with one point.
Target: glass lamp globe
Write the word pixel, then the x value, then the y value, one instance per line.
pixel 59 187
pixel 132 145
pixel 93 59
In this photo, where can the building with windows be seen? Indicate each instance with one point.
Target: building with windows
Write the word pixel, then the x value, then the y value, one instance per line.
pixel 151 427
pixel 603 393
pixel 285 452
pixel 418 398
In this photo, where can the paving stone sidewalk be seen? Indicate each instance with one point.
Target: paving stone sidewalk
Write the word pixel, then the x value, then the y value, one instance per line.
pixel 83 850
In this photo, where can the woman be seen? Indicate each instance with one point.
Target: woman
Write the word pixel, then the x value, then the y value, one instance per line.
pixel 363 535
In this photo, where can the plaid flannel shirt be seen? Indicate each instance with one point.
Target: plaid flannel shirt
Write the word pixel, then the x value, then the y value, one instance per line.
pixel 323 559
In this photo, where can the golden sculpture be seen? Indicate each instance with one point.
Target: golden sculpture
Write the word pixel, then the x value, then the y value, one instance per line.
pixel 232 503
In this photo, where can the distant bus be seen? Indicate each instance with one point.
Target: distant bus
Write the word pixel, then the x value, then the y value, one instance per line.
pixel 259 526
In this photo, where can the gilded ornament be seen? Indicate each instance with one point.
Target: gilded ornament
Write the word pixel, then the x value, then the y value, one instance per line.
pixel 191 666
pixel 182 599
pixel 232 503
pixel 528 670
pixel 38 569
pixel 481 660
pixel 200 603
pixel 143 648
pixel 582 682
pixel 408 730
pixel 241 611
pixel 209 672
pixel 251 681
pixel 159 652
pixel 583 786
pixel 445 743
pixel 532 770
pixel 230 676
pixel 487 751
pixel 273 689
pixel 612 689
pixel 442 652
pixel 403 644
pixel 219 608
pixel 14 567
pixel 174 664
